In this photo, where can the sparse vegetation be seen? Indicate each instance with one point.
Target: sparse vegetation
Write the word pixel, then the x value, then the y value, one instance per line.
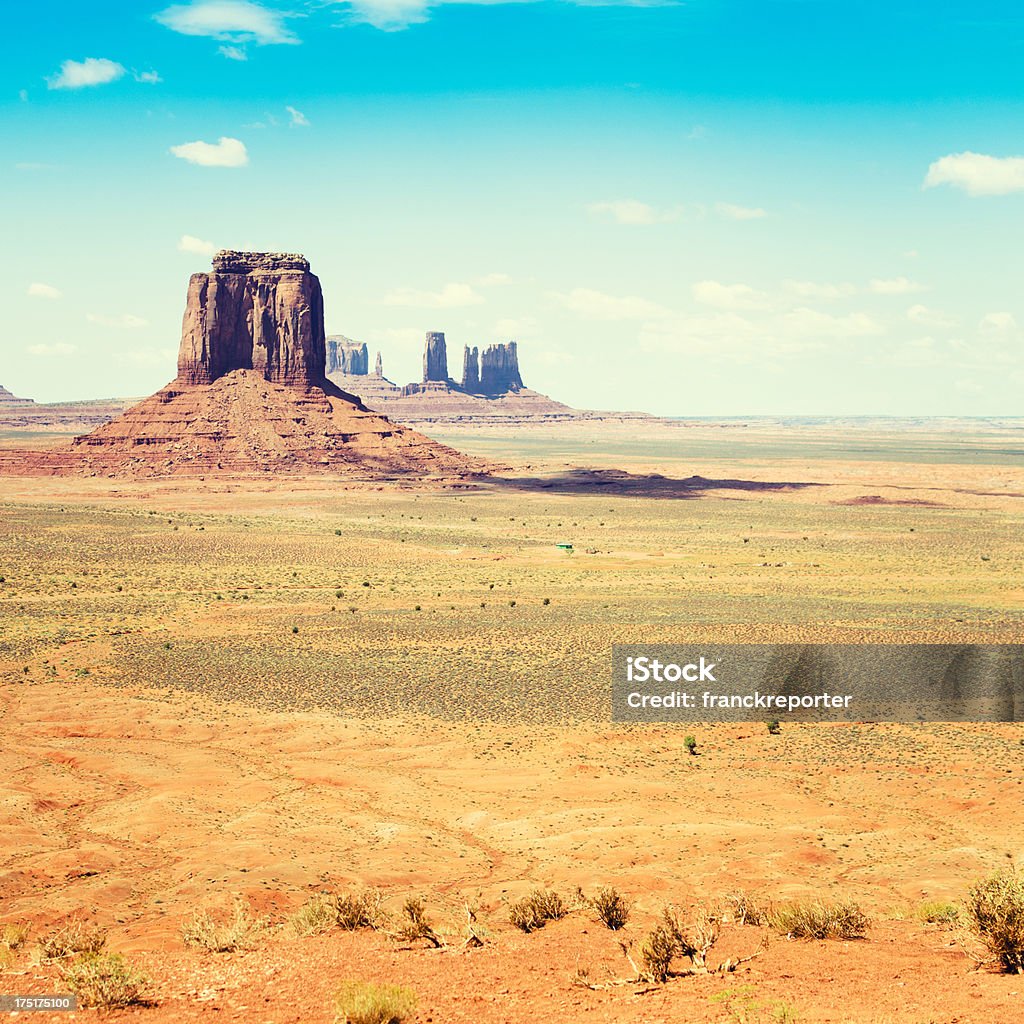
pixel 223 933
pixel 105 981
pixel 315 916
pixel 358 910
pixel 938 912
pixel 810 919
pixel 414 926
pixel 774 727
pixel 363 1002
pixel 534 911
pixel 611 908
pixel 994 916
pixel 74 937
pixel 690 742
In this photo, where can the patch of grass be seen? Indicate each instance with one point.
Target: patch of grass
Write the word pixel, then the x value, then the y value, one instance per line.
pixel 363 1002
pixel 747 909
pixel 105 980
pixel 317 915
pixel 13 936
pixel 534 911
pixel 994 914
pixel 612 908
pixel 74 937
pixel 223 933
pixel 810 919
pixel 938 912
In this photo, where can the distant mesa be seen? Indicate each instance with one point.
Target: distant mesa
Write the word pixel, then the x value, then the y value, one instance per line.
pixel 347 356
pixel 491 389
pixel 6 398
pixel 252 393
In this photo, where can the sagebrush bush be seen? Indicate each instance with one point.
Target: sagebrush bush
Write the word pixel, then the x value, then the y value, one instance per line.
pixel 534 911
pixel 414 924
pixel 13 936
pixel 994 913
pixel 358 910
pixel 223 933
pixel 105 980
pixel 813 920
pixel 363 1002
pixel 747 909
pixel 74 937
pixel 316 915
pixel 611 908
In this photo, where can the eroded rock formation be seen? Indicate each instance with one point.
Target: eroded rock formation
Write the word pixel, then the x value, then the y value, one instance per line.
pixel 435 358
pixel 499 369
pixel 379 366
pixel 347 356
pixel 254 311
pixel 471 370
pixel 7 398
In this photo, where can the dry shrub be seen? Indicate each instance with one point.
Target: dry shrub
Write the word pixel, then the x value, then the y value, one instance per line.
pixel 994 913
pixel 534 911
pixel 74 937
pixel 315 916
pixel 105 980
pixel 669 940
pixel 747 909
pixel 938 912
pixel 814 920
pixel 221 933
pixel 414 925
pixel 358 910
pixel 13 936
pixel 363 1002
pixel 612 908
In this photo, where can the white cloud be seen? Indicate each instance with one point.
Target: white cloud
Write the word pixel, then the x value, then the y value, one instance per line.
pixel 930 317
pixel 816 290
pixel 59 349
pixel 38 290
pixel 125 320
pixel 489 280
pixel 233 52
pixel 729 296
pixel 23 95
pixel 451 296
pixel 633 212
pixel 804 322
pixel 895 286
pixel 232 21
pixel 998 322
pixel 226 153
pixel 191 244
pixel 75 74
pixel 595 305
pixel 977 174
pixel 147 77
pixel 298 117
pixel 734 212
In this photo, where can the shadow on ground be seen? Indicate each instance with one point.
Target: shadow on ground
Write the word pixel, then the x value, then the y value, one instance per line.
pixel 639 485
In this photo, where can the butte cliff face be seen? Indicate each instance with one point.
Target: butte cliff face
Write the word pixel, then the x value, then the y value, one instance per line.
pixel 471 370
pixel 251 395
pixel 347 356
pixel 254 311
pixel 6 398
pixel 499 369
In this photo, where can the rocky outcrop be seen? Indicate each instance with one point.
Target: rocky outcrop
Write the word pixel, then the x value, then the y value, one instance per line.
pixel 6 398
pixel 254 311
pixel 251 395
pixel 435 358
pixel 499 369
pixel 379 366
pixel 347 356
pixel 471 370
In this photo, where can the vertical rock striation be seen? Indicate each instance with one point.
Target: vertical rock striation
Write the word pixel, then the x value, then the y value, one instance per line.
pixel 471 370
pixel 435 358
pixel 499 369
pixel 254 311
pixel 347 356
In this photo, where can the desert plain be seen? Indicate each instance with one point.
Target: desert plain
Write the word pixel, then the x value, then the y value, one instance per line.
pixel 265 688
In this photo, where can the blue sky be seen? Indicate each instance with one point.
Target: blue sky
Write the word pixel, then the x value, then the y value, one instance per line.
pixel 780 207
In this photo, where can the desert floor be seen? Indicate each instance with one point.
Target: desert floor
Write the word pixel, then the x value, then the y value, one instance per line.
pixel 268 689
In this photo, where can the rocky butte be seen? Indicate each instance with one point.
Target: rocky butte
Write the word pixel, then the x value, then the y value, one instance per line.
pixel 251 393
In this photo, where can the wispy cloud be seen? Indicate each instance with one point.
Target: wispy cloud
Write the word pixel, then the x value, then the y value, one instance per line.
pixel 978 174
pixel 597 305
pixel 733 212
pixel 197 246
pixel 298 118
pixel 76 74
pixel 818 289
pixel 451 296
pixel 231 21
pixel 998 322
pixel 634 212
pixel 38 290
pixel 895 286
pixel 930 317
pixel 226 152
pixel 233 52
pixel 60 348
pixel 147 77
pixel 729 296
pixel 124 321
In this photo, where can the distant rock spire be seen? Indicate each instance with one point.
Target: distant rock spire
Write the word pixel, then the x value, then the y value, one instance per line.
pixel 379 366
pixel 435 358
pixel 471 370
